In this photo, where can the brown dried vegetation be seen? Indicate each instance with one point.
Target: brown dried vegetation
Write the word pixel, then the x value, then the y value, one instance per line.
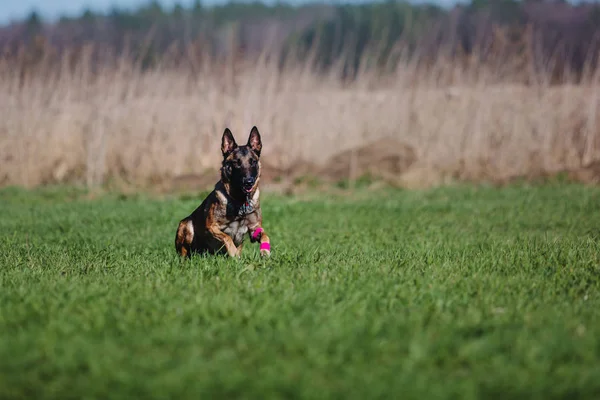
pixel 454 119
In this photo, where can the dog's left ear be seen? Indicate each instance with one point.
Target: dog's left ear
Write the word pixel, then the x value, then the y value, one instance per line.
pixel 254 141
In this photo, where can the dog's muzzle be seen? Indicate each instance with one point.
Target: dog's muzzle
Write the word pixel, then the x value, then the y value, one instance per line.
pixel 248 184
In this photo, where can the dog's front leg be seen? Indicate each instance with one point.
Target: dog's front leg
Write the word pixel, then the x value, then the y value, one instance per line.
pixel 225 239
pixel 258 234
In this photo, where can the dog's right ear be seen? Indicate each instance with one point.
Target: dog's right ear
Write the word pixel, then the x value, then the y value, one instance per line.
pixel 228 143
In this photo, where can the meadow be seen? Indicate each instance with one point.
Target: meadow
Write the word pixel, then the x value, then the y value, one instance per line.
pixel 472 284
pixel 454 292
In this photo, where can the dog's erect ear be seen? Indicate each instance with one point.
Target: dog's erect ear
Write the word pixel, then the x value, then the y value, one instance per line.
pixel 228 143
pixel 254 141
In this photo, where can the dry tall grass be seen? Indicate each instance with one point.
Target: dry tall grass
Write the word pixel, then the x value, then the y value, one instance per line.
pixel 466 121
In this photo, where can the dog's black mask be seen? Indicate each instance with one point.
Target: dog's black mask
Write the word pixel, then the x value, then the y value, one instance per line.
pixel 241 166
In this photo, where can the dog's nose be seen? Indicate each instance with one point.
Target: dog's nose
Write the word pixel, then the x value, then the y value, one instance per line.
pixel 248 181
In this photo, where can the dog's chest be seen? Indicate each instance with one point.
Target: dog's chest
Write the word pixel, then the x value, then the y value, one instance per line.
pixel 236 229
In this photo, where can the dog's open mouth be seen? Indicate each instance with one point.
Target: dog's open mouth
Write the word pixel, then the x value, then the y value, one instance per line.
pixel 247 188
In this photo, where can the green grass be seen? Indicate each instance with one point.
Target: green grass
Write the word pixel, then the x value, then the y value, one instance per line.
pixel 465 292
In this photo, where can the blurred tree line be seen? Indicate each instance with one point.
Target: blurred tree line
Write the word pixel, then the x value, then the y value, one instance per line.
pixel 350 36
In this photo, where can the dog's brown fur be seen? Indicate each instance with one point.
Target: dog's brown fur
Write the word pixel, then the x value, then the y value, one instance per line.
pixel 232 209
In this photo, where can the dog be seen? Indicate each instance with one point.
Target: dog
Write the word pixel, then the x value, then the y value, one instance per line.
pixel 232 209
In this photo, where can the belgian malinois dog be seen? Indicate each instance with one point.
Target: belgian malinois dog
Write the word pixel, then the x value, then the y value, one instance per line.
pixel 232 209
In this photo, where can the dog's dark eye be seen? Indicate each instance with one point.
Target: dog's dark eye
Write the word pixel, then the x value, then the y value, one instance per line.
pixel 252 162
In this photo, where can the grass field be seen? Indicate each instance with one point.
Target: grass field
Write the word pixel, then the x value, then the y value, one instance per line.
pixel 461 292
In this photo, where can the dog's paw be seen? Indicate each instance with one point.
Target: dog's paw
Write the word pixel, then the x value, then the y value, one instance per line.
pixel 265 249
pixel 265 253
pixel 235 253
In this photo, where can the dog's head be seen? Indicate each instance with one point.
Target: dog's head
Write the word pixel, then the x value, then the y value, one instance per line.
pixel 241 164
